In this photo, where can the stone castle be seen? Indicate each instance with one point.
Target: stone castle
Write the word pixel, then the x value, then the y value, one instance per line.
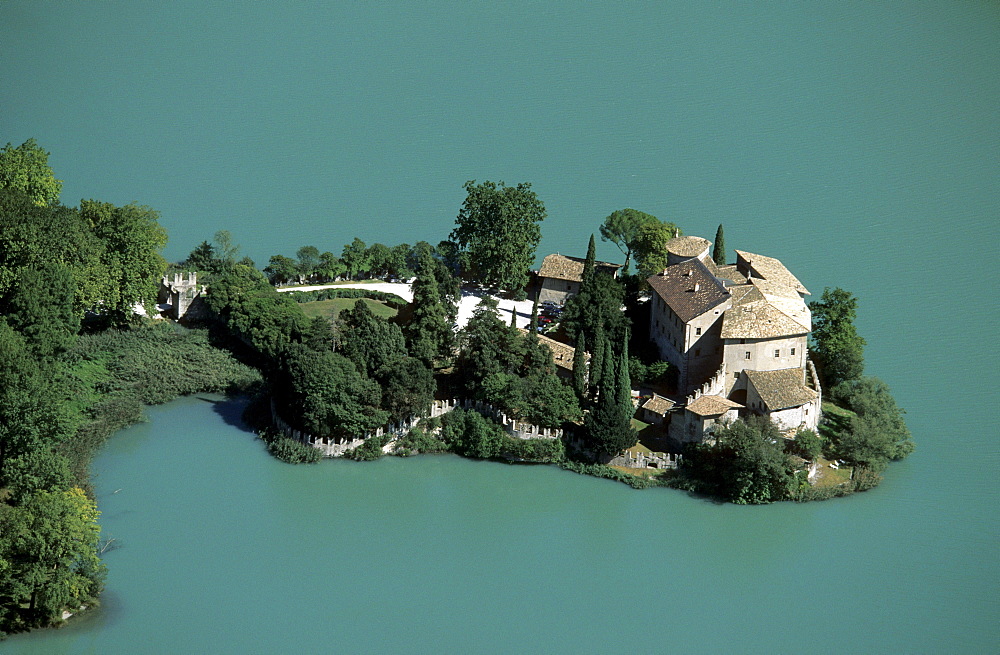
pixel 737 336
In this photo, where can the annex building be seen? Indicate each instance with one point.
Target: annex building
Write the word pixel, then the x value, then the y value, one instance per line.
pixel 737 335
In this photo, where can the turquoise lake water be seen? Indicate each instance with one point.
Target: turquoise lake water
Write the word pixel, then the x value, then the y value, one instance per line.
pixel 857 142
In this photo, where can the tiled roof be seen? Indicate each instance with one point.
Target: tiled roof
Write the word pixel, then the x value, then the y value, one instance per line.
pixel 759 320
pixel 768 268
pixel 765 310
pixel 729 272
pixel 687 246
pixel 781 389
pixel 562 267
pixel 711 406
pixel 689 289
pixel 658 404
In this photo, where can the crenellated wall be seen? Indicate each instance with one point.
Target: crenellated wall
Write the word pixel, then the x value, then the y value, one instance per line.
pixel 334 447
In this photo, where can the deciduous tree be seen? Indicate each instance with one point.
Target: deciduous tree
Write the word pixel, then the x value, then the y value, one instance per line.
pixel 498 227
pixel 837 348
pixel 26 169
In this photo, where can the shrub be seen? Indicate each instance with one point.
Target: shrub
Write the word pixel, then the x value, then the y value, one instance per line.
pixel 390 299
pixel 293 452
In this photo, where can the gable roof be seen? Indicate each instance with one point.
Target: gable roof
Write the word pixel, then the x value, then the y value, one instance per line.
pixel 689 289
pixel 658 404
pixel 711 405
pixel 767 268
pixel 759 320
pixel 781 389
pixel 563 267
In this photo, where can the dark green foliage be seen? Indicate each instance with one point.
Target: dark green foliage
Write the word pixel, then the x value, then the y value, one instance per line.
pixel 357 259
pixel 597 361
pixel 837 348
pixel 469 434
pixel 746 465
pixel 589 261
pixel 650 247
pixel 255 313
pixel 292 451
pixel 719 248
pixel 598 306
pixel 369 451
pixel 655 373
pixel 202 258
pixel 534 450
pixel 390 299
pixel 407 388
pixel 369 341
pixel 807 444
pixel 324 394
pixel 429 332
pixel 580 366
pixel 622 229
pixel 41 308
pixel 281 269
pixel 878 433
pixel 498 227
pixel 533 323
pixel 608 427
pixel 419 440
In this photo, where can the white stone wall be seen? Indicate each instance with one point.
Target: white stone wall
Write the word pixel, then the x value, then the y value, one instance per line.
pixel 762 355
pixel 557 291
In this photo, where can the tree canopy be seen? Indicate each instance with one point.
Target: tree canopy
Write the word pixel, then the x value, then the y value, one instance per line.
pixel 622 229
pixel 837 348
pixel 650 247
pixel 498 227
pixel 719 248
pixel 26 169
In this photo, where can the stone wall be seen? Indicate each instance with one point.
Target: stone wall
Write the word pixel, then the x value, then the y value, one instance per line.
pixel 334 447
pixel 646 460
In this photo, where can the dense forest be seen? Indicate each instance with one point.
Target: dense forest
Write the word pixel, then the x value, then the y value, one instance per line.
pixel 82 349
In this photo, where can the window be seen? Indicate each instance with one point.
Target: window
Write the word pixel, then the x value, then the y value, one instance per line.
pixel 793 352
pixel 569 286
pixel 697 331
pixel 777 353
pixel 747 355
pixel 736 375
pixel 743 340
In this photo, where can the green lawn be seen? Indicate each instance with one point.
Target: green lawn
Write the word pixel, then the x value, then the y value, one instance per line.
pixel 331 308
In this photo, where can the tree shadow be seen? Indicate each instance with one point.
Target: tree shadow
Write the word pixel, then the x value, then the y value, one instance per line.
pixel 231 410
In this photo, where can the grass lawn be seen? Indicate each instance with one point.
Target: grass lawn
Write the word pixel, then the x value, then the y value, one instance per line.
pixel 331 308
pixel 828 477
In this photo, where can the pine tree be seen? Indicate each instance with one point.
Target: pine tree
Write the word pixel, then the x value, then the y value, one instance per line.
pixel 719 251
pixel 580 366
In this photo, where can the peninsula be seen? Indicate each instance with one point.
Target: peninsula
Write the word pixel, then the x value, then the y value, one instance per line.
pixel 693 372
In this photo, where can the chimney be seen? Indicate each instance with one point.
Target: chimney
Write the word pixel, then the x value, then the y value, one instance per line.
pixel 696 287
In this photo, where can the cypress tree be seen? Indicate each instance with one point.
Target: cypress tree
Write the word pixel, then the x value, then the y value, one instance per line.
pixel 513 317
pixel 588 263
pixel 534 316
pixel 597 361
pixel 580 366
pixel 609 376
pixel 624 383
pixel 719 251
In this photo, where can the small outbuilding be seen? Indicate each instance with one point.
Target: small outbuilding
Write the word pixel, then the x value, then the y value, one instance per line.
pixel 560 277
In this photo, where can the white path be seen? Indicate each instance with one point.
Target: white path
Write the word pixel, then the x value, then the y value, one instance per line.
pixel 470 298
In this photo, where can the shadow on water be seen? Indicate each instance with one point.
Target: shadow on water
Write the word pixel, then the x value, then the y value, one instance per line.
pixel 230 410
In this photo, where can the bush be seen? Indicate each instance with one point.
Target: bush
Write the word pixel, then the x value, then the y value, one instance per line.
pixel 369 451
pixel 468 433
pixel 390 299
pixel 534 450
pixel 611 473
pixel 417 440
pixel 292 451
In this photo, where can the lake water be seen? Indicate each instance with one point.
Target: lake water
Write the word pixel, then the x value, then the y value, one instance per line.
pixel 857 142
